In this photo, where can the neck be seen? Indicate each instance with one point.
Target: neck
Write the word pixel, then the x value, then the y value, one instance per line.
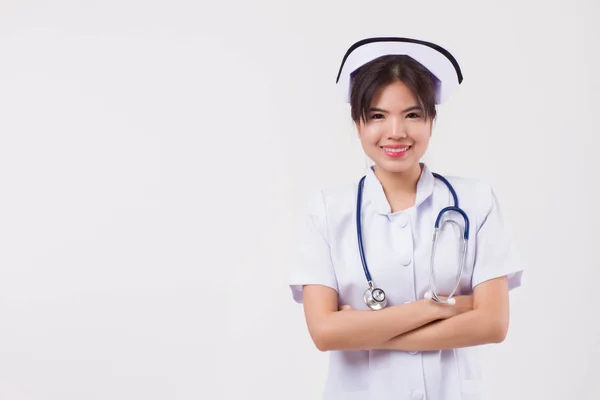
pixel 400 187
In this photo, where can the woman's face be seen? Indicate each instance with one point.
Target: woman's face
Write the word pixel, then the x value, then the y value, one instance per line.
pixel 395 135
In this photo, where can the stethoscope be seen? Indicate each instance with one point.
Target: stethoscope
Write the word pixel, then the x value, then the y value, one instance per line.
pixel 375 298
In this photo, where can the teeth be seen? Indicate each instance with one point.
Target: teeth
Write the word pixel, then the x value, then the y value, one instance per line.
pixel 396 150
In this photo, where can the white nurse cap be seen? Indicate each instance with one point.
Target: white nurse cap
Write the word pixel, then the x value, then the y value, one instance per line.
pixel 433 57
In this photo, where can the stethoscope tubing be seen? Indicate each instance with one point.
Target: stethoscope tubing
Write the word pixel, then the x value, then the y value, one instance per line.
pixel 432 292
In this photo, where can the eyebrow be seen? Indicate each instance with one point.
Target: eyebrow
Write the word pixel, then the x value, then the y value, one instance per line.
pixel 413 108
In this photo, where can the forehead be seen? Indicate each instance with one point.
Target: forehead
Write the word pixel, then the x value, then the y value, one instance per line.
pixel 393 94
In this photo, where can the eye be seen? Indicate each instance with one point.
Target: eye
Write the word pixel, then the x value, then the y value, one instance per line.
pixel 413 115
pixel 377 116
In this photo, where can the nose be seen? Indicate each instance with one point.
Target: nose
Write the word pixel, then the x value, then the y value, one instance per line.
pixel 398 130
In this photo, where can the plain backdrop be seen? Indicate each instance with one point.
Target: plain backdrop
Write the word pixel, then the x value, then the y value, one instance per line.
pixel 154 156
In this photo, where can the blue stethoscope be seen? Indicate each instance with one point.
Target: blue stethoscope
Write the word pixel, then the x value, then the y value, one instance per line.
pixel 375 298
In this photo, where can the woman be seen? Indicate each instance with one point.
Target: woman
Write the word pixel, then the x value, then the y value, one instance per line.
pixel 364 277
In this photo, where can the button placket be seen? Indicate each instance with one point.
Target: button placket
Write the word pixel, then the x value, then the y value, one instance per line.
pixel 403 223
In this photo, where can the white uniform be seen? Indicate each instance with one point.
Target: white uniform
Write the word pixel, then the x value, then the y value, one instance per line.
pixel 397 250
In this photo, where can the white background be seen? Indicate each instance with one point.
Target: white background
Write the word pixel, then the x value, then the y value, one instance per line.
pixel 154 155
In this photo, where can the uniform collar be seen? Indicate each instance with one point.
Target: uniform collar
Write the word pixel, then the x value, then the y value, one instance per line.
pixel 374 194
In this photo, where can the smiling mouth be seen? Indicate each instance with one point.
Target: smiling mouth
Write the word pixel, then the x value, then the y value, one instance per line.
pixel 396 151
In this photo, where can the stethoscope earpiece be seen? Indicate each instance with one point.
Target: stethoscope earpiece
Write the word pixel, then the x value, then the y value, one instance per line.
pixel 450 300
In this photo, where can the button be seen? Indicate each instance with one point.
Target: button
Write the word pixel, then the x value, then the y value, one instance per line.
pixel 417 395
pixel 405 260
pixel 413 352
pixel 403 220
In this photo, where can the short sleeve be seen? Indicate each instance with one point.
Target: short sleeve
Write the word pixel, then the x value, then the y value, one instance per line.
pixel 311 263
pixel 495 255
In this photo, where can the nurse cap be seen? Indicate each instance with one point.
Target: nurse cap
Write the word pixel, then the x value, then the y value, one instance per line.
pixel 436 59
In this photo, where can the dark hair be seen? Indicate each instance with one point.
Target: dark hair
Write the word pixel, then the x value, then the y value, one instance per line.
pixel 369 78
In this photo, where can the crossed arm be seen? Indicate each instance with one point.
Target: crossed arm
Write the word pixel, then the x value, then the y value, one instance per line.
pixel 419 326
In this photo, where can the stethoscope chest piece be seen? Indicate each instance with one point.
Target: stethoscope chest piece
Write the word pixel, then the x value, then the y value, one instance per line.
pixel 375 298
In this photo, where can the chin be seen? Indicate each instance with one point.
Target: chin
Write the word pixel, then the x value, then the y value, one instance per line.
pixel 397 166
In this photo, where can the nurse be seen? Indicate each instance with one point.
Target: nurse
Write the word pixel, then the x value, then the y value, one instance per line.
pixel 414 347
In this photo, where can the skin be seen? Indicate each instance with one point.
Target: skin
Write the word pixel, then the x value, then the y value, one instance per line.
pixel 395 118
